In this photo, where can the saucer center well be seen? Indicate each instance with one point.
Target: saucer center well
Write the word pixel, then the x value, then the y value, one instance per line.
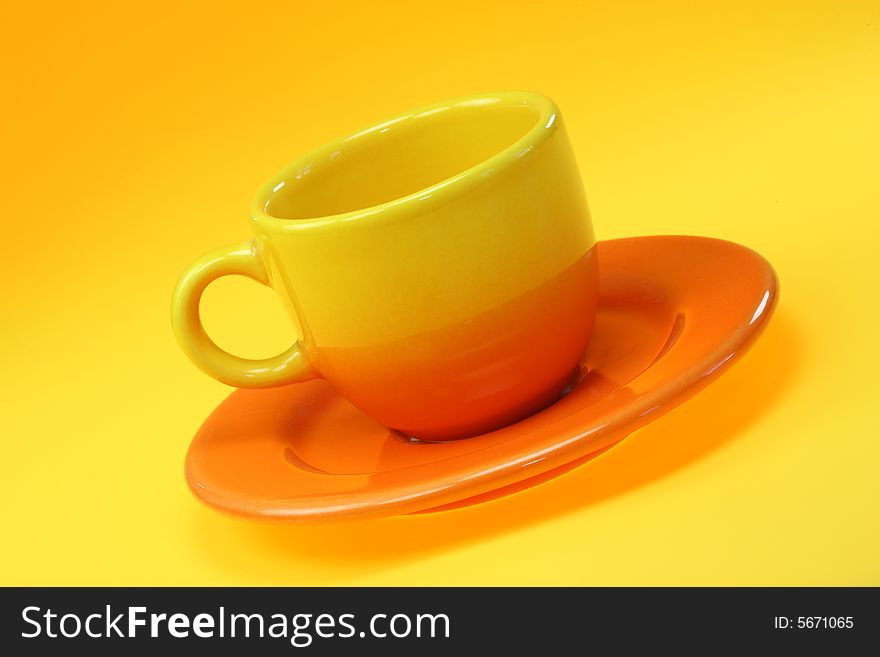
pixel 321 433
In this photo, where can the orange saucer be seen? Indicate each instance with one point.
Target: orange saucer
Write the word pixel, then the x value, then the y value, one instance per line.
pixel 674 312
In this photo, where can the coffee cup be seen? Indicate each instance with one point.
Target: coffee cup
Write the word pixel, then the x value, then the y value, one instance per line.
pixel 440 268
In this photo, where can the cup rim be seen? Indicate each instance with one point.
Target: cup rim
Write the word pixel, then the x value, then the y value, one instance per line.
pixel 433 195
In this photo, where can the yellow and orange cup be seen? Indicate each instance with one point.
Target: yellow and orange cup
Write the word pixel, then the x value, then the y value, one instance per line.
pixel 440 268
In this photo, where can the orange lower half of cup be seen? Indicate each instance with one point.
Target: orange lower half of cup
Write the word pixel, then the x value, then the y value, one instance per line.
pixel 480 374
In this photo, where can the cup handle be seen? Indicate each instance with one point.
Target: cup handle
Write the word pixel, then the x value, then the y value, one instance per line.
pixel 242 259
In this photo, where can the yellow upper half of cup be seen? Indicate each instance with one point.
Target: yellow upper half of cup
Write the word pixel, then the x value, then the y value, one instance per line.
pixel 424 220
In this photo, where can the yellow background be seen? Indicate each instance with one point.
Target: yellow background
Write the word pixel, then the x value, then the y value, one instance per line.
pixel 134 138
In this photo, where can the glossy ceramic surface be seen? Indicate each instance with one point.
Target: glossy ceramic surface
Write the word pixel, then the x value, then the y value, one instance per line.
pixel 439 267
pixel 674 312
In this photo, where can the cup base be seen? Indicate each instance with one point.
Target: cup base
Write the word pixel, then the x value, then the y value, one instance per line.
pixel 543 404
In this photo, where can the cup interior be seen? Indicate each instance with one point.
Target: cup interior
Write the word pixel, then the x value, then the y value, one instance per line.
pixel 406 156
